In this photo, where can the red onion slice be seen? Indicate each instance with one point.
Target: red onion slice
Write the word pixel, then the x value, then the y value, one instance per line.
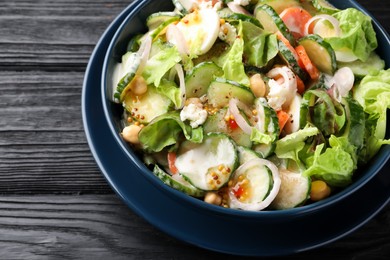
pixel 335 23
pixel 144 52
pixel 240 120
pixel 236 204
pixel 237 8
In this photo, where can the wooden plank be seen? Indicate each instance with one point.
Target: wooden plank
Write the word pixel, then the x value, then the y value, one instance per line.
pixel 43 148
pixel 87 227
pixel 52 35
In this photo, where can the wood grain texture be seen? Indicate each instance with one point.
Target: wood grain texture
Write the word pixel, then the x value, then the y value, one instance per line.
pixel 101 227
pixel 45 162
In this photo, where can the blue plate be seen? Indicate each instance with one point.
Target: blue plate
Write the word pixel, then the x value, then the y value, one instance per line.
pixel 208 226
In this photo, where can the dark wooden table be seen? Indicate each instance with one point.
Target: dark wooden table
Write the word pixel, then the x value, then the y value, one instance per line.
pixel 54 202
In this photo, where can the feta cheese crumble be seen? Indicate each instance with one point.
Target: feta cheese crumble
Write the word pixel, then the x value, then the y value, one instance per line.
pixel 196 115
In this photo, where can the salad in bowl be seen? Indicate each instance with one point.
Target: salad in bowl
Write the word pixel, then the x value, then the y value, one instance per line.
pixel 254 104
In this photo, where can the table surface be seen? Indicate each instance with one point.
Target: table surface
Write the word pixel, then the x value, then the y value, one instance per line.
pixel 54 202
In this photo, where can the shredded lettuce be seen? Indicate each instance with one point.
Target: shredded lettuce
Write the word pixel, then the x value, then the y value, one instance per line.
pixel 357 34
pixel 165 131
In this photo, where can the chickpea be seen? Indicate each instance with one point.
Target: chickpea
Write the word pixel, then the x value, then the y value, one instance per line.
pixel 213 198
pixel 195 101
pixel 319 190
pixel 139 86
pixel 130 133
pixel 257 85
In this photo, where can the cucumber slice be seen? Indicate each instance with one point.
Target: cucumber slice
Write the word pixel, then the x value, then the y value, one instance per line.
pixel 291 61
pixel 251 184
pixel 177 182
pixel 156 19
pixel 148 106
pixel 272 22
pixel 222 90
pixel 268 123
pixel 209 165
pixel 234 17
pixel 128 67
pixel 216 124
pixel 200 77
pixel 320 53
pixel 361 69
pixel 245 154
pixel 324 7
pixel 264 150
pixel 279 5
pixel 162 27
pixel 294 190
pixel 184 6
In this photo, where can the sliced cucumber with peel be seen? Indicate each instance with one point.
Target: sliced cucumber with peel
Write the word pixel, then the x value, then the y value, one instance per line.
pixel 235 17
pixel 291 61
pixel 250 185
pixel 148 106
pixel 320 53
pixel 209 165
pixel 199 78
pixel 222 90
pixel 245 154
pixel 294 190
pixel 216 124
pixel 279 5
pixel 324 6
pixel 177 182
pixel 156 19
pixel 271 22
pixel 162 27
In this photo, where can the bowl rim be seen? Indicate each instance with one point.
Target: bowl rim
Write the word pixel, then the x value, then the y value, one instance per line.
pixel 379 160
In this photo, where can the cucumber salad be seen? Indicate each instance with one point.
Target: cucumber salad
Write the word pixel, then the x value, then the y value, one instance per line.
pixel 254 104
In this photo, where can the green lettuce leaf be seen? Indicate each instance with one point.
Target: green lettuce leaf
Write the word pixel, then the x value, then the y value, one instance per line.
pixel 357 34
pixel 233 66
pixel 160 63
pixel 259 47
pixel 335 166
pixel 290 146
pixel 166 130
pixel 373 94
pixel 170 90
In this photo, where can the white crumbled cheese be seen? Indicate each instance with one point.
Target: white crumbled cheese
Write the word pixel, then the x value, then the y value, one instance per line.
pixel 227 33
pixel 209 4
pixel 281 94
pixel 242 2
pixel 196 115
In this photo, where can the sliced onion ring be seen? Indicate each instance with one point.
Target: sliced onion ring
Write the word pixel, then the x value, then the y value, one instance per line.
pixel 236 204
pixel 240 120
pixel 237 8
pixel 144 52
pixel 290 80
pixel 176 37
pixel 180 74
pixel 335 23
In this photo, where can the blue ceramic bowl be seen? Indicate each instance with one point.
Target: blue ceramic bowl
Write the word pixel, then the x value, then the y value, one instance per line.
pixel 261 233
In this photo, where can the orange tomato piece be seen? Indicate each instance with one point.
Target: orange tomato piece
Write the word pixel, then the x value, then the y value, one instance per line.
pixel 295 19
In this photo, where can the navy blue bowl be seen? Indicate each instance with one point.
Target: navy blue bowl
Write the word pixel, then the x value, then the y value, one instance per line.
pixel 277 230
